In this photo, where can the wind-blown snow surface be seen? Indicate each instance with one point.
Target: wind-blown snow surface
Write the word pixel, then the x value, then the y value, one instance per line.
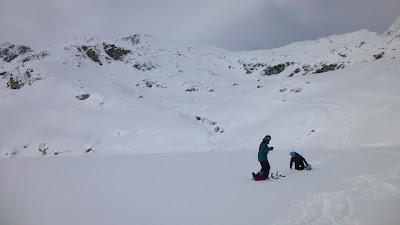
pixel 202 113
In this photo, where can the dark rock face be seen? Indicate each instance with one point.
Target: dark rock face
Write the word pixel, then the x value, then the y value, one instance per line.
pixel 115 52
pixel 249 68
pixel 378 56
pixel 145 66
pixel 17 79
pixel 9 52
pixel 35 56
pixel 92 53
pixel 134 39
pixel 14 83
pixel 83 96
pixel 325 68
pixel 272 70
pixel 269 70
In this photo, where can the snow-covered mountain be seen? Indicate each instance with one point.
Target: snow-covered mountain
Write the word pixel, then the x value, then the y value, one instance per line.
pixel 144 94
pixel 335 100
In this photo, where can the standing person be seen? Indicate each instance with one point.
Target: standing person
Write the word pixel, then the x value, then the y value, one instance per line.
pixel 262 156
pixel 298 161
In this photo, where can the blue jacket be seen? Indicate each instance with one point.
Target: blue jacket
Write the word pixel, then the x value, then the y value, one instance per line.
pixel 263 150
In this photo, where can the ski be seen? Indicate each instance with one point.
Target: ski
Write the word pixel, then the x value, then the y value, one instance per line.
pixel 280 175
pixel 258 177
pixel 274 177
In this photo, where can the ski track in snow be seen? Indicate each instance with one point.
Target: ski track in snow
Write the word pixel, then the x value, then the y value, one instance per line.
pixel 374 187
pixel 323 209
pixel 337 207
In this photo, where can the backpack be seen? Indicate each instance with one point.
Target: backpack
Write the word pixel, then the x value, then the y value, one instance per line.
pixel 308 167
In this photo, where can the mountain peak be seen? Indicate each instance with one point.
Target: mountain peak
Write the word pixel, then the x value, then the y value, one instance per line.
pixel 394 30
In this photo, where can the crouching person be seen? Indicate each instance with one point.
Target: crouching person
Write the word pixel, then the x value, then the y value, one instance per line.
pixel 299 162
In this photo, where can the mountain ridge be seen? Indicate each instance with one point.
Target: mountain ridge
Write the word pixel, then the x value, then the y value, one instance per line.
pixel 133 94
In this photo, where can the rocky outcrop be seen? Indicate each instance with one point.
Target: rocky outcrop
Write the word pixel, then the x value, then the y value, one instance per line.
pixel 249 68
pixel 145 66
pixel 21 76
pixel 14 83
pixel 378 56
pixel 134 39
pixel 115 52
pixel 35 56
pixel 83 96
pixel 269 70
pixel 9 52
pixel 273 70
pixel 92 52
pixel 331 67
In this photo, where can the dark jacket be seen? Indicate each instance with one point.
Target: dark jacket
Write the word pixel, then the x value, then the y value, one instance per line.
pixel 263 150
pixel 298 161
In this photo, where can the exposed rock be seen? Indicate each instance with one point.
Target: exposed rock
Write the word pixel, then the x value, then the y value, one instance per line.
pixel 82 96
pixel 274 69
pixel 35 56
pixel 331 67
pixel 307 69
pixel 134 39
pixel 361 44
pixel 43 149
pixel 378 56
pixel 150 84
pixel 324 69
pixel 145 66
pixel 9 52
pixel 296 90
pixel 249 68
pixel 115 52
pixel 192 89
pixel 14 83
pixel 91 51
pixel 10 57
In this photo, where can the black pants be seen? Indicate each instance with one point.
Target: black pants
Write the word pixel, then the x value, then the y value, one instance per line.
pixel 265 168
pixel 299 166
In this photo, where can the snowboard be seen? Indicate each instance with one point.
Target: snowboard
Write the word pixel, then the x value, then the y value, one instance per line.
pixel 258 177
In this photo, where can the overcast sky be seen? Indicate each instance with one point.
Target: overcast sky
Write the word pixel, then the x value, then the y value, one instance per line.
pixel 230 24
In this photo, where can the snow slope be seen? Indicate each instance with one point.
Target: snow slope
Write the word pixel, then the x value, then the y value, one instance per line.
pixel 148 99
pixel 201 112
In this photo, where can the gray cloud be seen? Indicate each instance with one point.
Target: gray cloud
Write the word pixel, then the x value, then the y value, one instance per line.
pixel 235 25
pixel 278 23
